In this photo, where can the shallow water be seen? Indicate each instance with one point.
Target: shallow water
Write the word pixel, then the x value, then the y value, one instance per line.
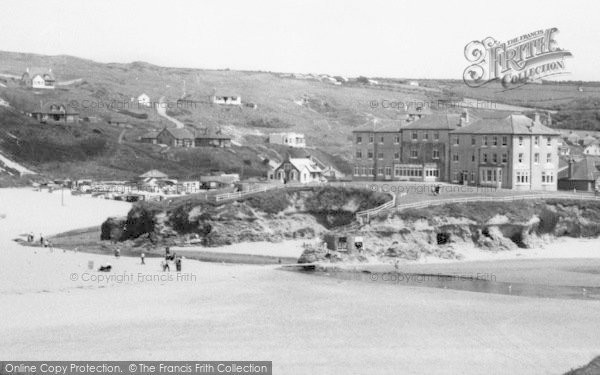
pixel 480 283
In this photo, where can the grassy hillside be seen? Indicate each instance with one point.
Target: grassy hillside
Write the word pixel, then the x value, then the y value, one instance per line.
pixel 577 104
pixel 324 112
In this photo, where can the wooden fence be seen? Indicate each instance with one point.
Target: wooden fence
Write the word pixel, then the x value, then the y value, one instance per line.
pixel 511 198
pixel 363 217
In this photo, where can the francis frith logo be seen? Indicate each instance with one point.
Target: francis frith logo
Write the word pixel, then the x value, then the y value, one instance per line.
pixel 519 61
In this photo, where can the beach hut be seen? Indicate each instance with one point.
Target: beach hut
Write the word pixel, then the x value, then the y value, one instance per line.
pixel 343 242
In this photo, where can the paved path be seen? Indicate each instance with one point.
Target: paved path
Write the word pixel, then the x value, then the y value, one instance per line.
pixel 13 165
pixel 120 140
pixel 161 109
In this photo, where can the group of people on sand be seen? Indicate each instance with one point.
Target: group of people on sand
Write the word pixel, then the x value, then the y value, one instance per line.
pixel 171 257
pixel 44 242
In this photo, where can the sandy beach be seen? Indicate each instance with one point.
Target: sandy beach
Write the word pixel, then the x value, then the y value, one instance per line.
pixel 304 324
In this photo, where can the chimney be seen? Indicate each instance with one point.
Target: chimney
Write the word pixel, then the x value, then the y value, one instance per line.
pixel 536 117
pixel 464 118
pixel 571 162
pixel 548 118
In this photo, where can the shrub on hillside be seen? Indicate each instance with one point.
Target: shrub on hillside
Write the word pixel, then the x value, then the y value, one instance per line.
pixel 271 202
pixel 141 219
pixel 180 219
pixel 328 199
pixel 141 116
pixel 548 221
pixel 273 123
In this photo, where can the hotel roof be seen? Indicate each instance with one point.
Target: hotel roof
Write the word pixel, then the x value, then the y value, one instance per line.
pixel 512 124
pixel 380 126
pixel 444 121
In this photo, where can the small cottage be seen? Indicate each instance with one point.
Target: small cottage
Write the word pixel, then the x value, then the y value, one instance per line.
pixel 38 78
pixel 302 170
pixel 175 137
pixel 211 138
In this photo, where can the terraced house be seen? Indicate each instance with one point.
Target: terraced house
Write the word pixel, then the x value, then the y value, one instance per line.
pixel 512 152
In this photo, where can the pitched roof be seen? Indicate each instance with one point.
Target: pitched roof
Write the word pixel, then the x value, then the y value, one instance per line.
pixel 151 134
pixel 179 133
pixel 154 173
pixel 588 139
pixel 224 178
pixel 512 124
pixel 587 169
pixel 380 126
pixel 54 108
pixel 573 137
pixel 301 163
pixel 40 71
pixel 445 121
pixel 413 110
pixel 210 133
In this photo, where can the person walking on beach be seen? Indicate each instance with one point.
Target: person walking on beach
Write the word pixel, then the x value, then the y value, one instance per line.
pixel 117 252
pixel 41 240
pixel 178 264
pixel 143 258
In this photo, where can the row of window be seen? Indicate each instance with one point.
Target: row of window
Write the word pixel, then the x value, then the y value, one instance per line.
pixel 399 171
pixel 486 141
pixel 491 175
pixel 494 141
pixel 359 139
pixel 536 158
pixel 523 177
pixel 414 153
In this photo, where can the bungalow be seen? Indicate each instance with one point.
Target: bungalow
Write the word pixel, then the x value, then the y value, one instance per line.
pixel 288 139
pixel 118 120
pixel 573 138
pixel 226 100
pixel 330 172
pixel 592 149
pixel 55 113
pixel 219 181
pixel 144 100
pixel 38 78
pixel 175 137
pixel 302 170
pixel 583 175
pixel 588 140
pixel 189 186
pixel 153 173
pixel 150 137
pixel 211 138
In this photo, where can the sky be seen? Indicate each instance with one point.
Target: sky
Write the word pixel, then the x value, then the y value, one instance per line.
pixel 375 38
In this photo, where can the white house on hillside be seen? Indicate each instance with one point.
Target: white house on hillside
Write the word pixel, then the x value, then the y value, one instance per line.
pixel 302 170
pixel 144 100
pixel 593 149
pixel 38 78
pixel 288 139
pixel 226 100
